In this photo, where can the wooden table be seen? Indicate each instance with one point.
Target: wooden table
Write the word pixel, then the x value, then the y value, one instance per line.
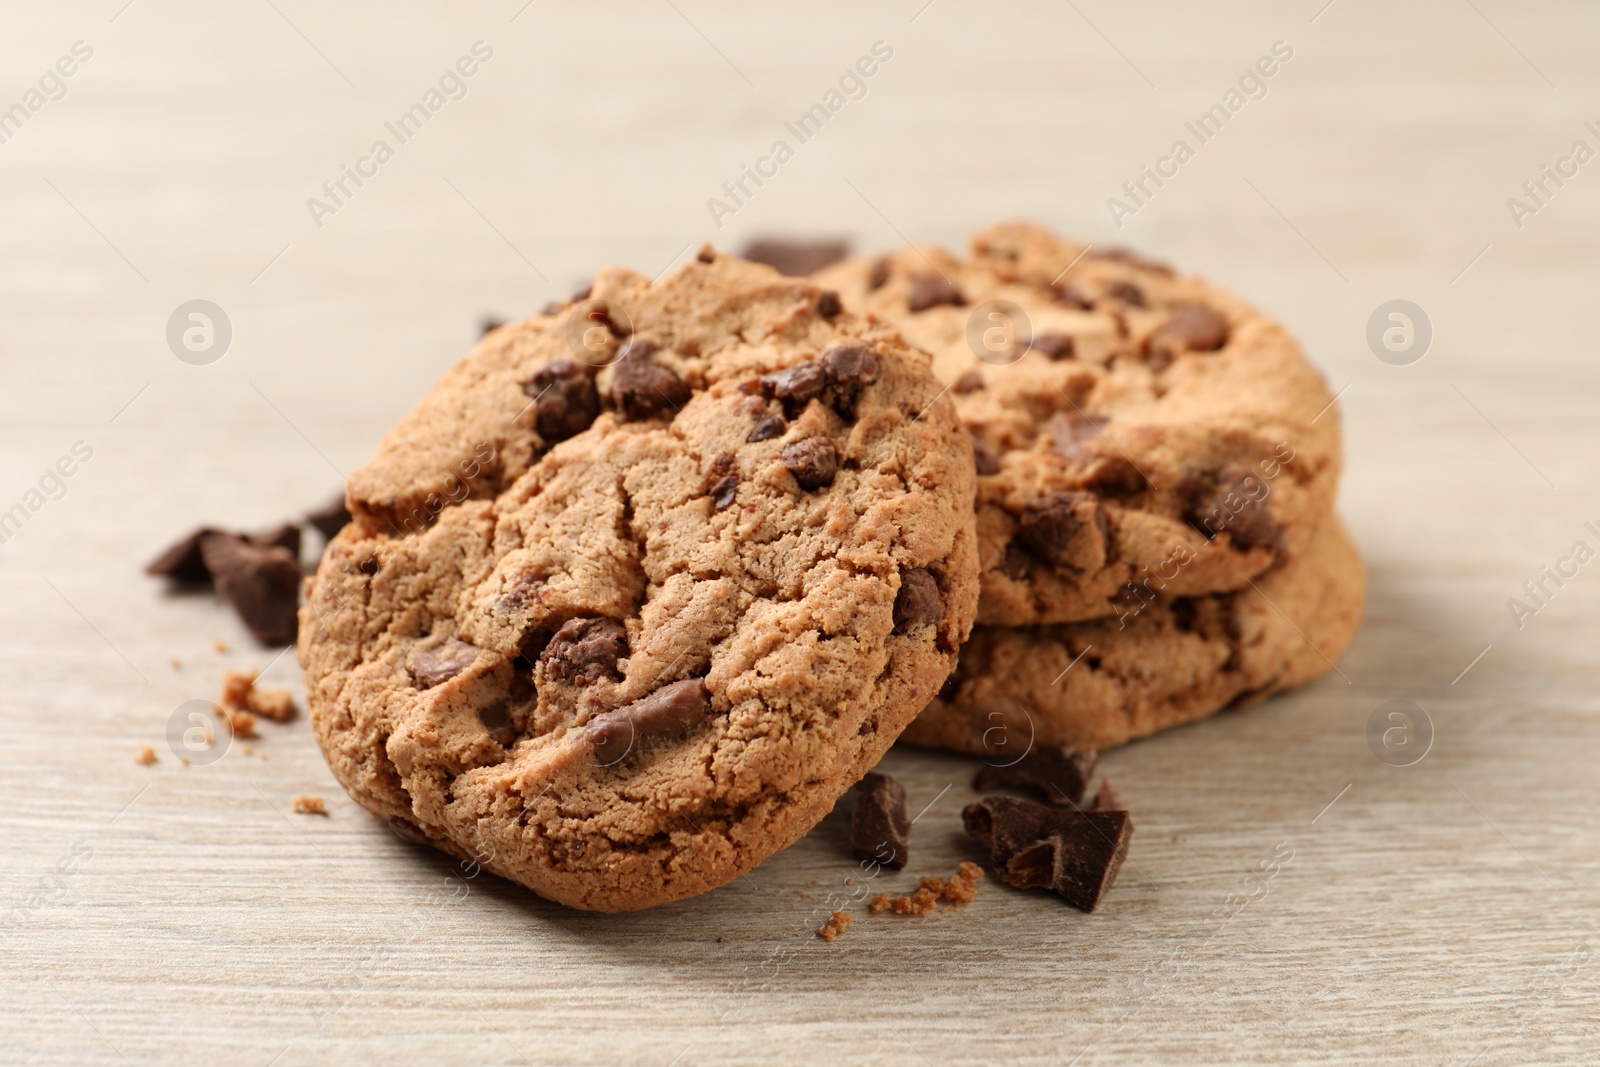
pixel 1438 913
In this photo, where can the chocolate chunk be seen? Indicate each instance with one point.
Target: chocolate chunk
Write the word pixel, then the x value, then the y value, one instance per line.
pixel 330 518
pixel 767 428
pixel 489 323
pixel 1074 296
pixel 1065 530
pixel 851 364
pixel 1115 478
pixel 1056 346
pixel 724 491
pixel 286 536
pixel 984 455
pixel 496 718
pixel 796 386
pixel 931 290
pixel 668 710
pixel 1017 563
pixel 182 562
pixel 918 603
pixel 827 305
pixel 969 382
pixel 880 830
pixel 642 387
pixel 1235 502
pixel 812 460
pixel 1075 853
pixel 879 273
pixel 1106 799
pixel 585 650
pixel 368 566
pixel 706 254
pixel 1060 775
pixel 794 257
pixel 262 584
pixel 1126 292
pixel 435 666
pixel 1192 328
pixel 566 401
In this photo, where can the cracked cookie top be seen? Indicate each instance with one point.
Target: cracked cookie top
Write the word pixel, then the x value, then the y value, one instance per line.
pixel 1137 432
pixel 644 584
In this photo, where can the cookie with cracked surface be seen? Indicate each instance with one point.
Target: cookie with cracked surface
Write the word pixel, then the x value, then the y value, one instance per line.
pixel 1129 424
pixel 1096 684
pixel 620 619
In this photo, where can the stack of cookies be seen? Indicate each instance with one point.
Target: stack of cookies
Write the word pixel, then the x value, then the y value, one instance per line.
pixel 649 580
pixel 1157 466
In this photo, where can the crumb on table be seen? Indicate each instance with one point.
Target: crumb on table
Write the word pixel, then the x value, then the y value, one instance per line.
pixel 960 888
pixel 241 723
pixel 145 756
pixel 880 904
pixel 836 925
pixel 239 691
pixel 220 645
pixel 309 806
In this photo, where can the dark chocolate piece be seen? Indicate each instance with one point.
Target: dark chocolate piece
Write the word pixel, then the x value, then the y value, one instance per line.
pixel 437 665
pixel 793 256
pixel 767 427
pixel 919 602
pixel 182 561
pixel 642 387
pixel 1192 328
pixel 668 710
pixel 565 400
pixel 796 386
pixel 1056 346
pixel 1235 502
pixel 330 518
pixel 932 290
pixel 880 830
pixel 262 584
pixel 1075 853
pixel 1059 775
pixel 1065 530
pixel 585 650
pixel 812 460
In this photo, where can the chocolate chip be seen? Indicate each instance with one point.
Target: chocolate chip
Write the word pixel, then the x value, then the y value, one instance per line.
pixel 1066 530
pixel 566 401
pixel 851 364
pixel 1060 775
pixel 182 561
pixel 286 537
pixel 330 518
pixel 1056 346
pixel 827 305
pixel 1191 328
pixel 932 290
pixel 489 323
pixel 1016 563
pixel 880 829
pixel 1075 853
pixel 919 602
pixel 724 492
pixel 496 718
pixel 812 460
pixel 642 387
pixel 1235 502
pixel 878 273
pixel 262 584
pixel 985 456
pixel 796 386
pixel 1116 478
pixel 795 257
pixel 767 428
pixel 585 650
pixel 668 710
pixel 969 382
pixel 368 566
pixel 706 254
pixel 1074 296
pixel 435 666
pixel 1126 292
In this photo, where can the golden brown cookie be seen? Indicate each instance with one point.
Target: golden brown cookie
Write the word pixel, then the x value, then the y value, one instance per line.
pixel 1102 683
pixel 644 584
pixel 1137 432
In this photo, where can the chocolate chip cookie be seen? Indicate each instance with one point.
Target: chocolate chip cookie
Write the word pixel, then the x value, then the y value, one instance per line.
pixel 1137 432
pixel 1096 684
pixel 645 584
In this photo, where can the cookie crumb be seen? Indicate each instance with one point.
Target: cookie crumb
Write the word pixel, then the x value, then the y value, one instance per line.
pixel 309 806
pixel 880 904
pixel 838 924
pixel 803 895
pixel 239 693
pixel 220 645
pixel 240 723
pixel 145 756
pixel 177 664
pixel 962 888
pixel 919 903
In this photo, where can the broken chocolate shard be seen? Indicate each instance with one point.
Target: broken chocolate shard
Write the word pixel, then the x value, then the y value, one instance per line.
pixel 796 386
pixel 565 400
pixel 793 256
pixel 1074 853
pixel 182 561
pixel 1060 775
pixel 435 666
pixel 812 460
pixel 880 830
pixel 262 584
pixel 671 708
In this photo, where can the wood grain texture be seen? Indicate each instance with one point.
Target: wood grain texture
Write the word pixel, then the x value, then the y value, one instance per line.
pixel 1441 913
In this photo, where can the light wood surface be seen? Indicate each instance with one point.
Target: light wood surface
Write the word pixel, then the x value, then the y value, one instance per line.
pixel 1438 913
